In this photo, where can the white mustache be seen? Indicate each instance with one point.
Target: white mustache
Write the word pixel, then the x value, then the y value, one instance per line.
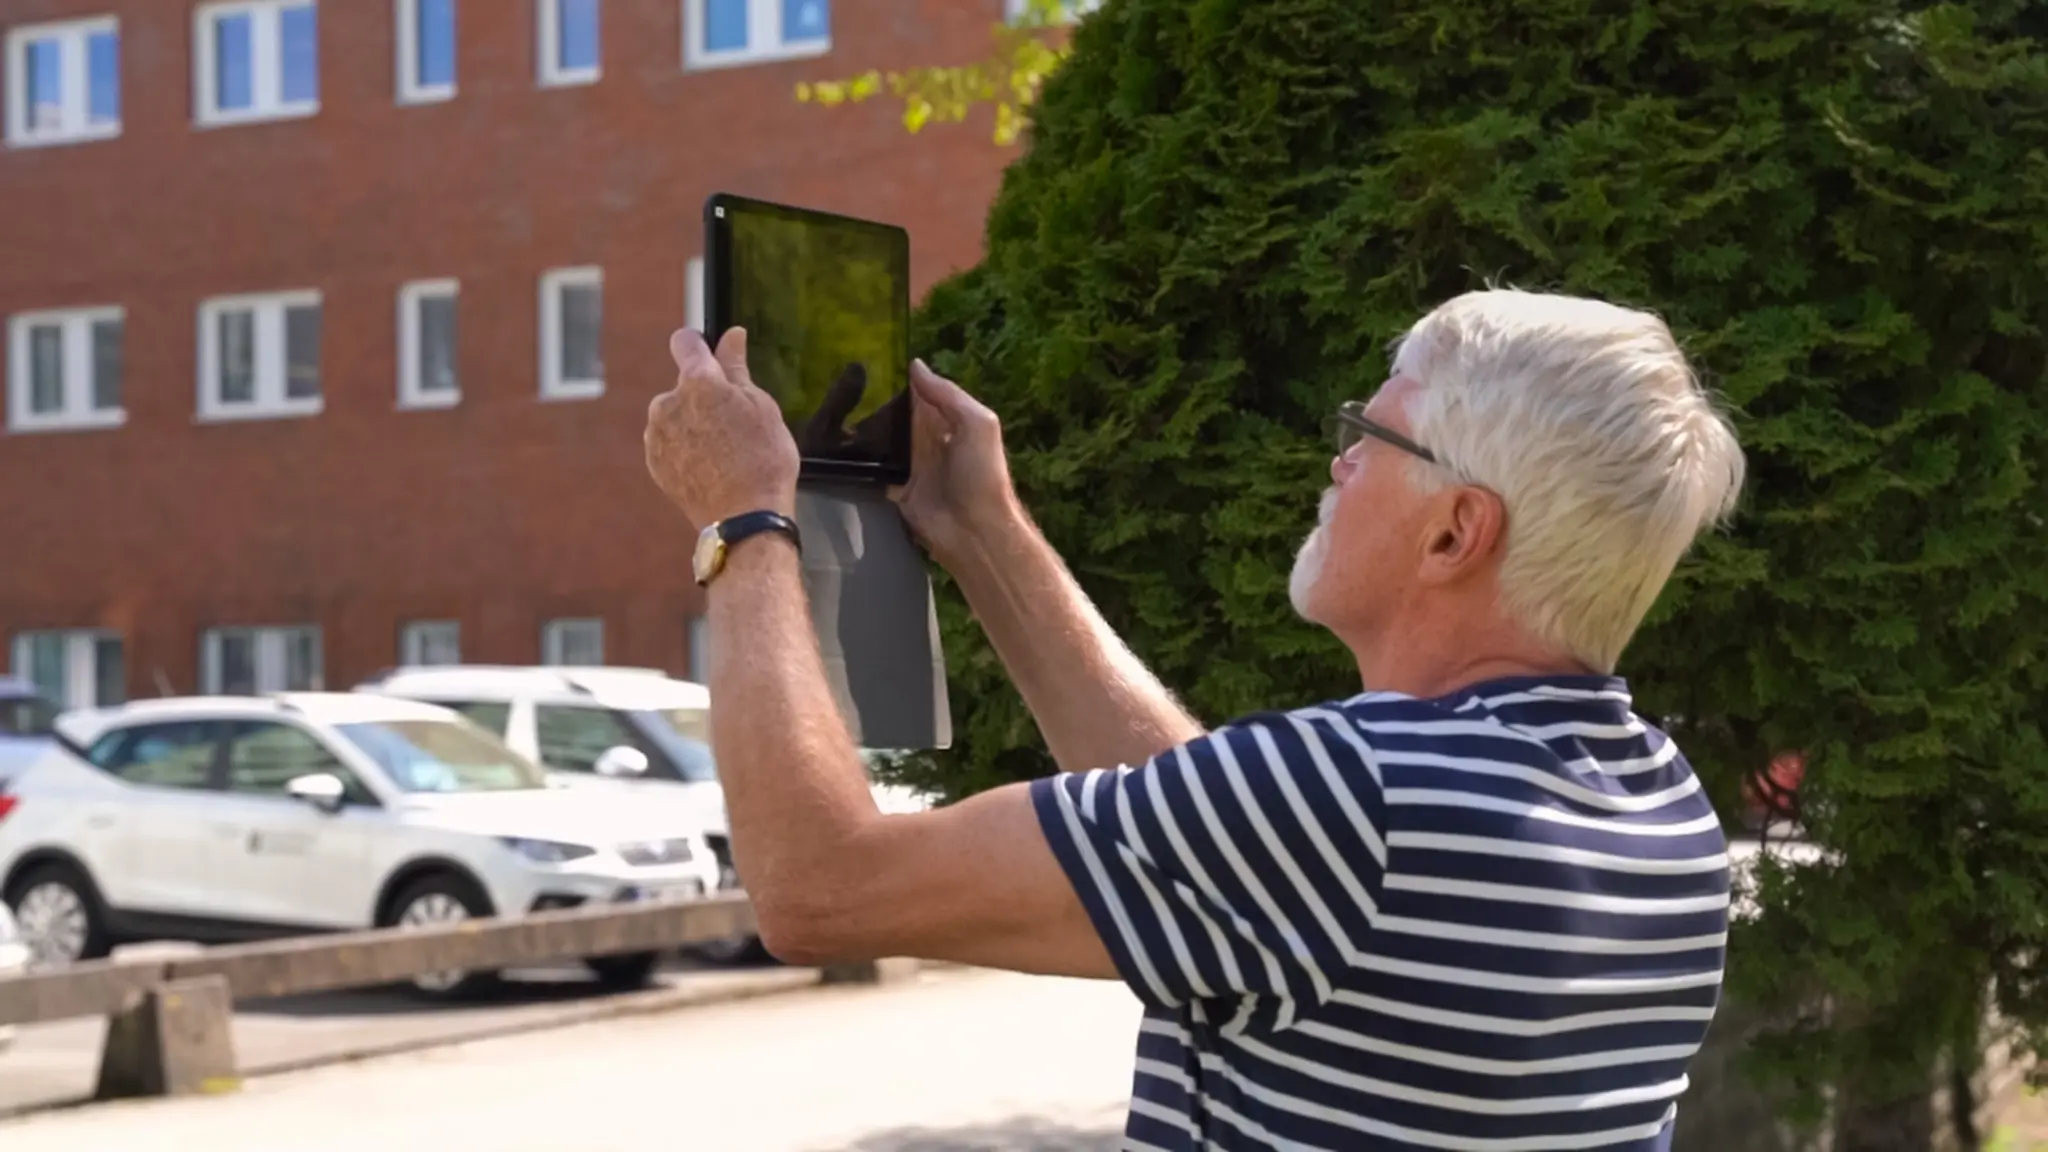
pixel 1327 507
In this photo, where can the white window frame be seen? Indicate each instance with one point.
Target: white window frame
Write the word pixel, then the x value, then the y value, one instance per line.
pixel 77 101
pixel 81 662
pixel 410 392
pixel 552 384
pixel 554 632
pixel 272 660
pixel 410 89
pixel 272 362
pixel 1014 10
pixel 78 412
pixel 693 294
pixel 548 37
pixel 266 65
pixel 764 39
pixel 415 636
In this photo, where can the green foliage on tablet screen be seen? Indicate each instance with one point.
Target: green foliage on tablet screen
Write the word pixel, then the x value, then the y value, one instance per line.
pixel 812 301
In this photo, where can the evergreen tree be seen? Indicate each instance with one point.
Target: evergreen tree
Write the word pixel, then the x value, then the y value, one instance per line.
pixel 1228 208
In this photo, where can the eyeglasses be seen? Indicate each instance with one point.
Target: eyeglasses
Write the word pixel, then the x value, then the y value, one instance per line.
pixel 1350 426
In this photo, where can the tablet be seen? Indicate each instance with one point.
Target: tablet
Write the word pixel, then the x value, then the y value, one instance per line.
pixel 825 300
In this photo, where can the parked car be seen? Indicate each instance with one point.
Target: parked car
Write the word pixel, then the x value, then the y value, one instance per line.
pixel 13 958
pixel 603 727
pixel 25 725
pixel 230 818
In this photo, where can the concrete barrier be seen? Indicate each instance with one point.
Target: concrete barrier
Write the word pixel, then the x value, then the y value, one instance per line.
pixel 178 1041
pixel 94 988
pixel 170 1010
pixel 366 959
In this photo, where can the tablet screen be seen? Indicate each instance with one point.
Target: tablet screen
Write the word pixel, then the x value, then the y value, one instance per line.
pixel 825 301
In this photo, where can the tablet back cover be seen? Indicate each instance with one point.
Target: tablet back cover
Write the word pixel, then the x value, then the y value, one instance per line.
pixel 871 601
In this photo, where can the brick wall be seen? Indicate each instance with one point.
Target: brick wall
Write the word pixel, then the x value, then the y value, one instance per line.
pixel 503 511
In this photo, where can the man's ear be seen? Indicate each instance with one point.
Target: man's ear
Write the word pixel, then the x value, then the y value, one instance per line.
pixel 1467 532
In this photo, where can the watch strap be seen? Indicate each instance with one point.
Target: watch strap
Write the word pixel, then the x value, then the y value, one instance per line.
pixel 734 529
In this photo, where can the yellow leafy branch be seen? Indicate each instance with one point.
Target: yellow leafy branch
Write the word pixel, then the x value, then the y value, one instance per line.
pixel 1009 79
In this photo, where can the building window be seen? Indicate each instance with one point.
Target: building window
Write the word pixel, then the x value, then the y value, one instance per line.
pixel 722 32
pixel 572 334
pixel 423 642
pixel 426 345
pixel 426 50
pixel 80 668
pixel 1070 10
pixel 247 661
pixel 256 60
pixel 570 41
pixel 64 82
pixel 259 356
pixel 64 369
pixel 575 643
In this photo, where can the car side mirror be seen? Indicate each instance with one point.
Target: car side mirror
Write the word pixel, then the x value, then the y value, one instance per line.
pixel 322 790
pixel 621 761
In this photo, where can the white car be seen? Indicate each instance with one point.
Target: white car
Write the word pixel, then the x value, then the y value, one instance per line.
pixel 602 728
pixel 232 818
pixel 13 959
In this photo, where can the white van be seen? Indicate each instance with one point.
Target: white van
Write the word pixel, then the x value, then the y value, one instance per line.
pixel 605 727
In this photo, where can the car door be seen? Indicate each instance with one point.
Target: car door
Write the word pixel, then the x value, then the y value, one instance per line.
pixel 289 864
pixel 154 834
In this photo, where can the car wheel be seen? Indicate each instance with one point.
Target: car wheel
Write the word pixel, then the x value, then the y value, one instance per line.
pixel 436 902
pixel 60 916
pixel 625 973
pixel 736 952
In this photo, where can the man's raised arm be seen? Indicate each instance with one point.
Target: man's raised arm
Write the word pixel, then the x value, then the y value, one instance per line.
pixel 1095 702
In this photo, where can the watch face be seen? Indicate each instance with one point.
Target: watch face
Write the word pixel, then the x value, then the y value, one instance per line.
pixel 710 551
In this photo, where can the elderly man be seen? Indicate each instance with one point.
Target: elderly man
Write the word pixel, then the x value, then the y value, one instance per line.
pixel 1480 905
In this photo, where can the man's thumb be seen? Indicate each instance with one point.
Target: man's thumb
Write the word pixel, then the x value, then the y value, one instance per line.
pixel 949 400
pixel 732 355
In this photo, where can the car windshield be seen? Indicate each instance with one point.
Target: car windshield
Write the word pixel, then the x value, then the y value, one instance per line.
pixel 27 716
pixel 443 756
pixel 684 735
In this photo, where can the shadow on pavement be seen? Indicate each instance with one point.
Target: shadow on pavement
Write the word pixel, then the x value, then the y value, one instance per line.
pixel 397 1002
pixel 565 984
pixel 1025 1134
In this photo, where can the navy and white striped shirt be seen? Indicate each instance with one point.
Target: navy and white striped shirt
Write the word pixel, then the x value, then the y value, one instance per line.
pixel 1495 920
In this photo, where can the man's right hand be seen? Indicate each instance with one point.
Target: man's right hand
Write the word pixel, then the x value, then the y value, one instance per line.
pixel 1096 704
pixel 959 477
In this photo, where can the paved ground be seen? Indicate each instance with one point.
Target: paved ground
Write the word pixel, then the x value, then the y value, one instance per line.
pixel 2024 1128
pixel 56 1063
pixel 958 1060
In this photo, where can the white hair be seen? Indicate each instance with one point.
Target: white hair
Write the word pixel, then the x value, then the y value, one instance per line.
pixel 1586 420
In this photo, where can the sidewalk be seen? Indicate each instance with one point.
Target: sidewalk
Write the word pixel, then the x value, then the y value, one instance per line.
pixel 958 1059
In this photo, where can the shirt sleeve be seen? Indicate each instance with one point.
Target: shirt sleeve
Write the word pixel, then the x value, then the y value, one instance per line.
pixel 1244 866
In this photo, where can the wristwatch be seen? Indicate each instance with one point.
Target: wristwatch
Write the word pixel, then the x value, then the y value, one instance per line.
pixel 715 541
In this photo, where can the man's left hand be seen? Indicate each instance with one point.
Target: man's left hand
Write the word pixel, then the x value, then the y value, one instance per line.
pixel 716 444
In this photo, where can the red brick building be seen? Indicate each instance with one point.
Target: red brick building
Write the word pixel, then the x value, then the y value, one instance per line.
pixel 331 324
